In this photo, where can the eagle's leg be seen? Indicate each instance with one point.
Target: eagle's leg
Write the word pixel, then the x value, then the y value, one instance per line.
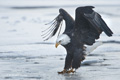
pixel 71 71
pixel 78 57
pixel 68 63
pixel 62 72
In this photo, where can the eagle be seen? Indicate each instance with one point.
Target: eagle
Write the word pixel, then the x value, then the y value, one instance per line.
pixel 84 30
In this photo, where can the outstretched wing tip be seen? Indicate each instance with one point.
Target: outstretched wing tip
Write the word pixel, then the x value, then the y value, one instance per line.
pixel 96 20
pixel 93 25
pixel 52 30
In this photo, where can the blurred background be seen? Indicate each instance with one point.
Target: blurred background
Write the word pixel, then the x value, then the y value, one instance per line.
pixel 21 44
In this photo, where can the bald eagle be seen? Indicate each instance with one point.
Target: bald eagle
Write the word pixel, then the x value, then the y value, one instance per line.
pixel 84 30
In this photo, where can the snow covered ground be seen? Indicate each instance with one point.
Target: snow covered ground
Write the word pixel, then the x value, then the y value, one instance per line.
pixel 25 56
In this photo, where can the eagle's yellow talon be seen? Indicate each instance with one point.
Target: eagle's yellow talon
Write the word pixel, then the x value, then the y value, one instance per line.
pixel 62 72
pixel 70 71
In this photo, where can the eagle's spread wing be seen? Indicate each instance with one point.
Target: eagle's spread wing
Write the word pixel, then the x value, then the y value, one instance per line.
pixel 57 23
pixel 89 25
pixel 52 30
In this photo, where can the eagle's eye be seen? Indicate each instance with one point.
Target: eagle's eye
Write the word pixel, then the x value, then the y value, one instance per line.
pixel 60 41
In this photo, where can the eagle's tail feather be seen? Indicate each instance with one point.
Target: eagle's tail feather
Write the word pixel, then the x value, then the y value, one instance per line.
pixel 89 49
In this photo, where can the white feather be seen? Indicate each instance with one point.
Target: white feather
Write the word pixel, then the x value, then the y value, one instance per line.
pixel 89 49
pixel 64 39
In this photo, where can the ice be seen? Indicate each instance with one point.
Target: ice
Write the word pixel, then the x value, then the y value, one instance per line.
pixel 24 55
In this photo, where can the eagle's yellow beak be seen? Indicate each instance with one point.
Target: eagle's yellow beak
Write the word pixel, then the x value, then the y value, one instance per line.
pixel 57 44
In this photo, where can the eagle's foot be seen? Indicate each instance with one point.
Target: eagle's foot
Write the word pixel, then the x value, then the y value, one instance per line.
pixel 62 72
pixel 71 71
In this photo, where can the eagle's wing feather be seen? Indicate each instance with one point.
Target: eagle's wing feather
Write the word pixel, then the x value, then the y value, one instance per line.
pixel 89 25
pixel 97 22
pixel 52 30
pixel 57 23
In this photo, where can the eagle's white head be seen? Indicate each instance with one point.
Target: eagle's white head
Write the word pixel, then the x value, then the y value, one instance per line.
pixel 63 39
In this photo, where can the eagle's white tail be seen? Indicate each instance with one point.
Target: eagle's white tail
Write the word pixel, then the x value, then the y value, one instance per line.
pixel 89 49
